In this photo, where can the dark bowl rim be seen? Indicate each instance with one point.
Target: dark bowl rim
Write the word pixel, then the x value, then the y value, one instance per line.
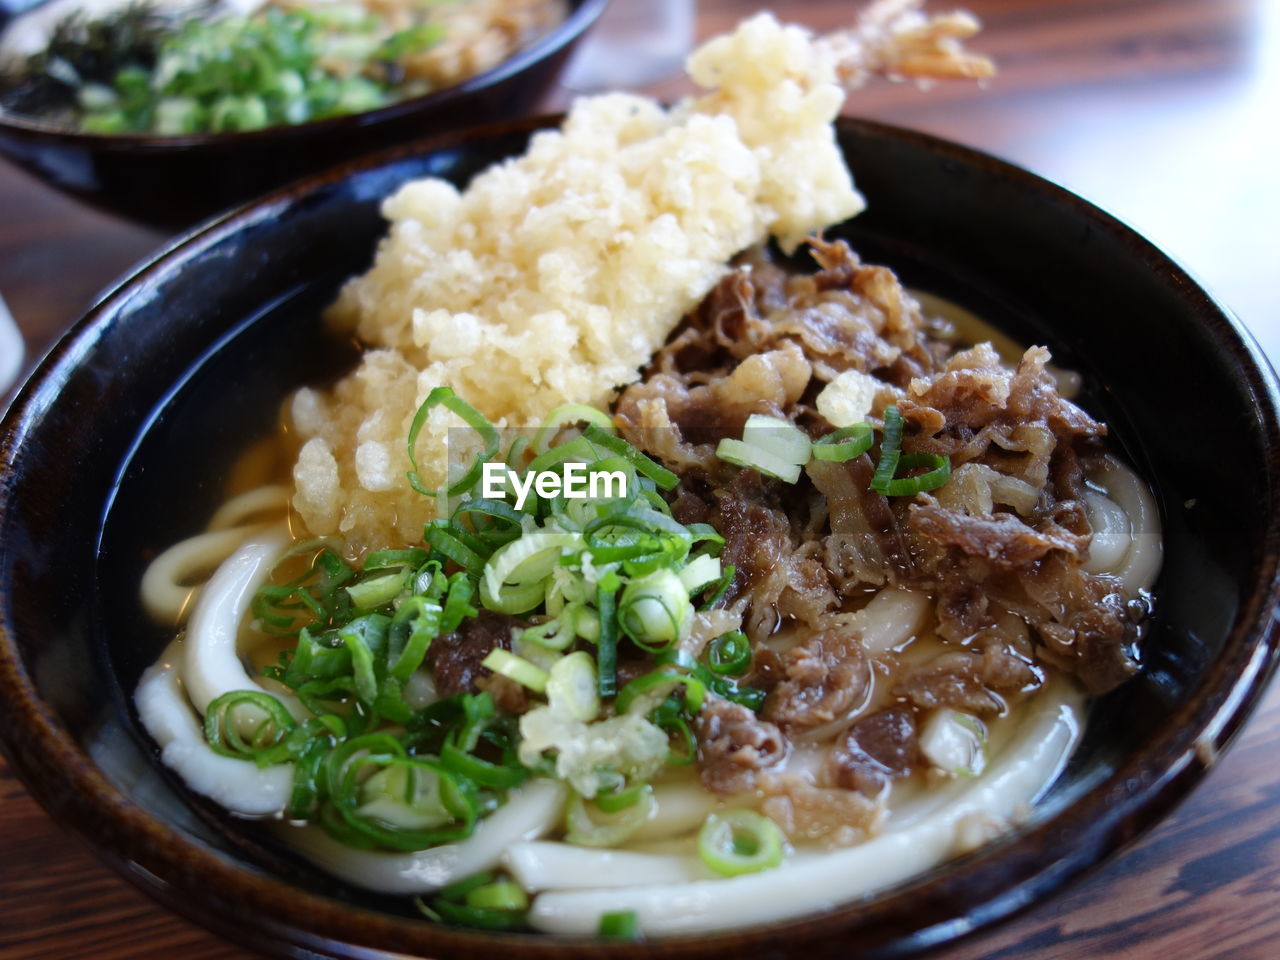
pixel 947 902
pixel 576 23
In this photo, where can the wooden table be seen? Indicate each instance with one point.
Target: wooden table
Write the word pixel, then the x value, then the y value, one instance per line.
pixel 1161 111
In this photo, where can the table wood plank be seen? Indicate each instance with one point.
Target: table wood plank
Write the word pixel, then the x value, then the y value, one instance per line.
pixel 1162 111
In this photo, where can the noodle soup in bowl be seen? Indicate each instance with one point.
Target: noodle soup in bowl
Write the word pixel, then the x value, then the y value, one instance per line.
pixel 188 412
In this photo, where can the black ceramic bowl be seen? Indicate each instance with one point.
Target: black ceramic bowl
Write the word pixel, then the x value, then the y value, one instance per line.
pixel 173 182
pixel 117 445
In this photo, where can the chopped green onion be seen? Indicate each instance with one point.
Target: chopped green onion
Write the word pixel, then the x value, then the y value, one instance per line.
pixel 655 687
pixel 570 413
pixel 734 842
pixel 482 772
pixel 745 455
pixel 464 915
pixel 619 925
pixel 655 610
pixel 378 592
pixel 721 587
pixel 516 668
pixel 417 803
pixel 413 558
pixel 659 474
pixel 411 40
pixel 588 828
pixel 513 578
pixel 306 775
pixel 700 573
pixel 936 476
pixel 443 396
pixel 444 538
pixel 845 443
pixel 560 631
pixel 607 643
pixel 503 895
pixel 571 686
pixel 228 714
pixel 366 638
pixel 779 438
pixel 729 654
pixel 618 800
pixel 890 450
pixel 459 889
pixel 457 603
pixel 578 450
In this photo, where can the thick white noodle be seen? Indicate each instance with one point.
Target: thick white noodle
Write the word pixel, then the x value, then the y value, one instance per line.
pixel 893 617
pixel 1140 564
pixel 212 663
pixel 1024 769
pixel 1112 533
pixel 167 592
pixel 239 510
pixel 543 865
pixel 168 587
pixel 239 785
pixel 528 814
pixel 678 808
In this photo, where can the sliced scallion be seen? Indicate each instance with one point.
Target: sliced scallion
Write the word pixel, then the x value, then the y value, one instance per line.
pixel 571 686
pixel 729 654
pixel 939 470
pixel 890 450
pixel 619 925
pixel 502 895
pixel 734 842
pixel 700 573
pixel 377 592
pixel 516 668
pixel 655 610
pixel 589 826
pixel 778 437
pixel 607 642
pixel 445 397
pixel 745 455
pixel 845 443
pixel 570 413
pixel 659 474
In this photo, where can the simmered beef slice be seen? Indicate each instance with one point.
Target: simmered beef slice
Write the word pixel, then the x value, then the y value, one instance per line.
pixel 734 745
pixel 454 658
pixel 1001 539
pixel 1085 625
pixel 824 678
pixel 877 749
pixel 972 681
pixel 757 534
pixel 807 812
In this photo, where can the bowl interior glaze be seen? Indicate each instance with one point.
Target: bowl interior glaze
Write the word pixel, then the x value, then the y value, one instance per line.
pixel 119 444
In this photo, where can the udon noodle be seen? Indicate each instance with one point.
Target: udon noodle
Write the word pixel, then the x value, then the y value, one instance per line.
pixel 840 623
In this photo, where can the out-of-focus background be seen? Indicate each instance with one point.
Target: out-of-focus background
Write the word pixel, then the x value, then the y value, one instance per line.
pixel 1163 112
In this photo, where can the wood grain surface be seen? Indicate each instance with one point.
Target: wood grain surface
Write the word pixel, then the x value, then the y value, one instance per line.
pixel 1161 111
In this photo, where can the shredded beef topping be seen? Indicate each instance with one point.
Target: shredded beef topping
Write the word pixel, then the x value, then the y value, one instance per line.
pixel 808 812
pixel 1010 527
pixel 875 750
pixel 1001 539
pixel 454 659
pixel 825 678
pixel 733 745
pixel 999 548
